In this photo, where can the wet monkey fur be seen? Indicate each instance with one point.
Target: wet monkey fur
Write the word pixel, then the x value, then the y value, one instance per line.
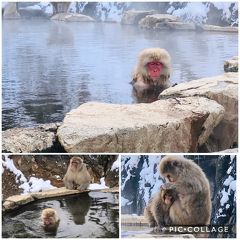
pixel 50 220
pixel 193 204
pixel 77 175
pixel 153 69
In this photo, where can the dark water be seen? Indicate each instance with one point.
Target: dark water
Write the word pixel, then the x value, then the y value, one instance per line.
pixel 93 215
pixel 50 68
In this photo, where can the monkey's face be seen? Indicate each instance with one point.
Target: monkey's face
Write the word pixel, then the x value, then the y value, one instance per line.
pixel 75 163
pixel 48 218
pixel 154 69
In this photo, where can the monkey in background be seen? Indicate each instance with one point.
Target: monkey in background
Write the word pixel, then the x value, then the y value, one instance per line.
pixel 50 220
pixel 157 210
pixel 152 73
pixel 77 175
pixel 193 205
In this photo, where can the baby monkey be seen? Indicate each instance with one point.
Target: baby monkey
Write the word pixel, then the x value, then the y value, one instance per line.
pixel 157 210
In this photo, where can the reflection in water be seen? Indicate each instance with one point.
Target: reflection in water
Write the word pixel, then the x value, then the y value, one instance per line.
pixel 50 67
pixel 90 216
pixel 79 208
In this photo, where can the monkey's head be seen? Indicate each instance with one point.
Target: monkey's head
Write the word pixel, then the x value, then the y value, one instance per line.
pixel 49 217
pixel 154 62
pixel 171 167
pixel 168 196
pixel 76 163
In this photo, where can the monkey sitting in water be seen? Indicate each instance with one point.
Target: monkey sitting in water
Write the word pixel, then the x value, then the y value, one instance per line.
pixel 152 73
pixel 77 175
pixel 50 220
pixel 157 210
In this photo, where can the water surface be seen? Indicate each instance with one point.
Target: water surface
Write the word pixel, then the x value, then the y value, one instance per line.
pixel 90 215
pixel 50 68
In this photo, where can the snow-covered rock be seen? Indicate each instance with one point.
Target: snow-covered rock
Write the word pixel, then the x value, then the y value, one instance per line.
pixel 155 127
pixel 224 90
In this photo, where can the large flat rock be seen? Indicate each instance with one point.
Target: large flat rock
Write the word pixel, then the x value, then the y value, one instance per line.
pixel 27 140
pixel 72 17
pixel 224 90
pixel 172 125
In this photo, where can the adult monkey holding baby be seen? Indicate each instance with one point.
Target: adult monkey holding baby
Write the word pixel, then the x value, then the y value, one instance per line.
pixel 192 204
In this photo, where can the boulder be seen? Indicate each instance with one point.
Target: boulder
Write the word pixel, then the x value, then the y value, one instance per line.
pixel 72 17
pixel 10 11
pixel 39 139
pixel 16 201
pixel 133 16
pixel 172 125
pixel 175 26
pixel 231 65
pixel 224 90
pixel 151 21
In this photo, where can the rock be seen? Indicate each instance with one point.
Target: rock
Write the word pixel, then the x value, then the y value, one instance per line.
pixel 16 201
pixel 72 17
pixel 134 16
pixel 151 21
pixel 224 90
pixel 231 65
pixel 175 26
pixel 214 28
pixel 39 139
pixel 233 150
pixel 10 11
pixel 172 125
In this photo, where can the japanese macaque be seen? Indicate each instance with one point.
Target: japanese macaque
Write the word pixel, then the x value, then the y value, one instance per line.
pixel 193 204
pixel 77 175
pixel 152 72
pixel 157 210
pixel 50 220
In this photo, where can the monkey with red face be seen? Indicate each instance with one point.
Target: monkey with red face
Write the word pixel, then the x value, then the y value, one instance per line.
pixel 152 71
pixel 50 220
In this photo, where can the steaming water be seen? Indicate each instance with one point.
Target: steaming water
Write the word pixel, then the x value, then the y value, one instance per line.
pixel 50 68
pixel 92 215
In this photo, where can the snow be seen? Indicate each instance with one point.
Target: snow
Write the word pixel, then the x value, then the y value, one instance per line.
pixel 96 186
pixel 115 165
pixel 233 185
pixel 224 198
pixel 228 180
pixel 229 170
pixel 194 11
pixel 124 201
pixel 31 185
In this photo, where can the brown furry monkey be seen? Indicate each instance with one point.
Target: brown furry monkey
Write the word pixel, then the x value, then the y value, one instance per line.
pixel 193 205
pixel 50 220
pixel 153 69
pixel 157 210
pixel 77 175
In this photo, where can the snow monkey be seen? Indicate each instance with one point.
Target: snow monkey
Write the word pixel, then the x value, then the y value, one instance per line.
pixel 77 175
pixel 157 210
pixel 152 70
pixel 50 220
pixel 193 205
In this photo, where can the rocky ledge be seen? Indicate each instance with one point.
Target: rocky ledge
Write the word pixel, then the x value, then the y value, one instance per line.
pixel 17 201
pixel 155 21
